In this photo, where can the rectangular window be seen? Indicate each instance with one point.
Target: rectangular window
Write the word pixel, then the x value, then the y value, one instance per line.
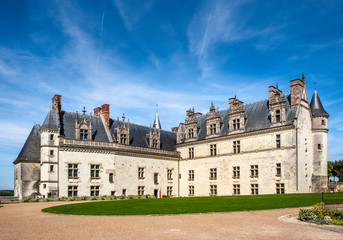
pixel 154 143
pixel 141 173
pixel 236 189
pixel 51 168
pixel 51 137
pixel 190 133
pixel 236 146
pixel 213 174
pixel 213 149
pixel 72 191
pixel 280 188
pixel 156 180
pixel 236 172
pixel 95 171
pixel 44 186
pixel 83 134
pixel 190 190
pixel 277 116
pixel 278 141
pixel 319 147
pixel 110 178
pixel 236 124
pixel 124 192
pixel 213 190
pixel 95 191
pixel 253 170
pixel 72 170
pixel 254 189
pixel 323 122
pixel 123 138
pixel 169 191
pixel 212 129
pixel 170 174
pixel 190 175
pixel 278 169
pixel 191 153
pixel 141 190
pixel 51 152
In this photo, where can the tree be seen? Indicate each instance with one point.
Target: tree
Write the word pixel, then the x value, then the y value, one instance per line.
pixel 335 169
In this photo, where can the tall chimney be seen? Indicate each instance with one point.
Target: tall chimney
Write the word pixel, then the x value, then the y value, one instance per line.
pixel 174 129
pixel 297 86
pixel 105 111
pixel 57 103
pixel 97 111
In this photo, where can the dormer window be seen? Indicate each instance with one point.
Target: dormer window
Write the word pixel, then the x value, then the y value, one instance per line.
pixel 154 143
pixel 191 133
pixel 213 122
pixel 123 131
pixel 236 124
pixel 213 129
pixel 277 116
pixel 123 138
pixel 83 134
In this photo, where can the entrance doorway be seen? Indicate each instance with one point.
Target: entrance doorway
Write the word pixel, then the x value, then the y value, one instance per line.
pixel 156 193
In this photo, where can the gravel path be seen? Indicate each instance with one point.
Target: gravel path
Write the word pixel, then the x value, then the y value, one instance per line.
pixel 26 221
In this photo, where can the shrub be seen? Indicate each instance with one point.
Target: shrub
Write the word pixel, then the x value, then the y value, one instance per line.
pixel 320 214
pixel 63 198
pixel 85 198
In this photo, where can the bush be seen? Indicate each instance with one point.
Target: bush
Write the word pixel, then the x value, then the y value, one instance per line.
pixel 320 214
pixel 63 198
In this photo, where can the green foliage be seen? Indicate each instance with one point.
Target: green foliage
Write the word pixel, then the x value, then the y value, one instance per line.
pixel 6 193
pixel 321 214
pixel 335 169
pixel 190 205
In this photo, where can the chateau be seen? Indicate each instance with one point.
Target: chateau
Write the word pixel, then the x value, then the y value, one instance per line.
pixel 273 146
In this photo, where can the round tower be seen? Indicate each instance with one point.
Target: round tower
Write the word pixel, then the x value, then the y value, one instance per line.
pixel 319 137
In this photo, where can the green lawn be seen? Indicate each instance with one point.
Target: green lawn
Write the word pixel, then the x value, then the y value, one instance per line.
pixel 189 205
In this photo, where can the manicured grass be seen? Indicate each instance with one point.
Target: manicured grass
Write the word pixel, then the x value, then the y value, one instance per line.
pixel 188 205
pixel 333 198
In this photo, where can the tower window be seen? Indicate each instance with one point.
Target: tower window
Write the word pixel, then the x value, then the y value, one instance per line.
pixel 110 178
pixel 323 122
pixel 191 152
pixel 278 169
pixel 278 141
pixel 319 147
pixel 51 137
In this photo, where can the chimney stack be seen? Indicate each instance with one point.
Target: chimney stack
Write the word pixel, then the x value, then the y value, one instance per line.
pixel 105 111
pixel 97 111
pixel 57 103
pixel 297 86
pixel 174 129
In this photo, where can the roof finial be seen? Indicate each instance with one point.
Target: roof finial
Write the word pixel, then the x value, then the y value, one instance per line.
pixel 303 77
pixel 156 107
pixel 84 111
pixel 277 86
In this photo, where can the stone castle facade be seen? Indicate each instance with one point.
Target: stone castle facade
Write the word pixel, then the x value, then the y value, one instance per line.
pixel 277 145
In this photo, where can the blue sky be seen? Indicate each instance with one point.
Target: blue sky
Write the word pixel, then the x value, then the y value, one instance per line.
pixel 179 54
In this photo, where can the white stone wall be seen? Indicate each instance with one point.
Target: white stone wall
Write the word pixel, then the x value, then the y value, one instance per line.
pixel 255 150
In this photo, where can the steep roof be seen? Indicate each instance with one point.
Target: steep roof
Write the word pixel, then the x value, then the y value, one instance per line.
pixel 31 149
pixel 256 116
pixel 50 121
pixel 317 108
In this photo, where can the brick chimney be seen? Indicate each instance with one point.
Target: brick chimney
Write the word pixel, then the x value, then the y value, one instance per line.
pixel 234 102
pixel 297 86
pixel 97 111
pixel 105 111
pixel 273 91
pixel 174 129
pixel 198 114
pixel 57 103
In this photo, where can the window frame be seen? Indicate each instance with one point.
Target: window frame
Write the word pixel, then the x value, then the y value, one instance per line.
pixel 213 173
pixel 72 190
pixel 73 172
pixel 254 171
pixel 95 171
pixel 213 150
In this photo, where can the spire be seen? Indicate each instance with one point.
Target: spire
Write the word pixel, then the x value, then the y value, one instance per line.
pixel 303 77
pixel 157 124
pixel 316 106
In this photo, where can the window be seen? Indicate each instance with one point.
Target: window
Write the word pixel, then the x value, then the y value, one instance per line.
pixel 319 147
pixel 280 188
pixel 278 169
pixel 154 143
pixel 190 133
pixel 236 172
pixel 212 129
pixel 190 175
pixel 51 168
pixel 95 191
pixel 277 116
pixel 72 191
pixel 124 192
pixel 113 193
pixel 236 124
pixel 72 170
pixel 213 174
pixel 44 186
pixel 254 189
pixel 95 170
pixel 190 190
pixel 323 122
pixel 236 146
pixel 253 170
pixel 141 190
pixel 141 173
pixel 213 190
pixel 170 174
pixel 110 178
pixel 51 137
pixel 83 134
pixel 191 153
pixel 169 191
pixel 123 138
pixel 51 152
pixel 236 189
pixel 213 149
pixel 278 141
pixel 156 180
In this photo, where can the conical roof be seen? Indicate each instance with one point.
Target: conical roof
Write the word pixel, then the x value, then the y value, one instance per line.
pixel 31 149
pixel 317 108
pixel 157 123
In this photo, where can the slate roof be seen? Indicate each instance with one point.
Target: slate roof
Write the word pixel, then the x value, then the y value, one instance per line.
pixel 317 108
pixel 256 115
pixel 50 121
pixel 31 149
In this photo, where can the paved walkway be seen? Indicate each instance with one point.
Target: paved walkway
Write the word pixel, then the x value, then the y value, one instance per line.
pixel 26 221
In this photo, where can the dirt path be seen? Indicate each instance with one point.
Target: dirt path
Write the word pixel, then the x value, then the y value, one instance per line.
pixel 26 221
